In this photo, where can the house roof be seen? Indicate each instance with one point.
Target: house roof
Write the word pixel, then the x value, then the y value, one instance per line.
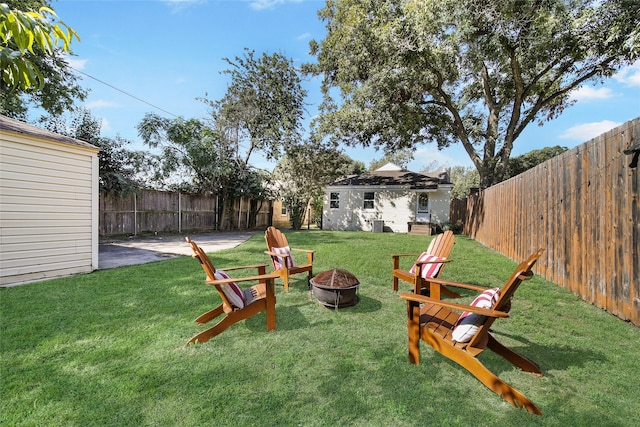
pixel 387 176
pixel 17 126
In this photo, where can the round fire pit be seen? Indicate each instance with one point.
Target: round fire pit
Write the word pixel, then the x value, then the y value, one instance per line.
pixel 335 288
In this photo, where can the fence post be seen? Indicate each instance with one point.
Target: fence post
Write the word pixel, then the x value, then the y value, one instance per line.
pixel 135 214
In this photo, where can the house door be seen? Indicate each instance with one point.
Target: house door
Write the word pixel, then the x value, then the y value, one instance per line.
pixel 423 209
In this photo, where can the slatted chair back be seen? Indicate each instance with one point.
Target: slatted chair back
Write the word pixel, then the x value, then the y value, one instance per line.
pixel 275 238
pixel 282 259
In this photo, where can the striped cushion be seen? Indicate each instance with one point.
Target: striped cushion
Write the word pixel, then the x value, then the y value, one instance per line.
pixel 468 323
pixel 428 270
pixel 231 290
pixel 278 262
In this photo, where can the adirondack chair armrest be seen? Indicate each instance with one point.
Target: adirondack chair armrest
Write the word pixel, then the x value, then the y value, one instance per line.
pixel 457 284
pixel 443 260
pixel 409 296
pixel 246 267
pixel 403 255
pixel 243 279
pixel 309 251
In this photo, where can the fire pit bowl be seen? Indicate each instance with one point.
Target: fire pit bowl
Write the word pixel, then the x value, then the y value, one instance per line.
pixel 335 288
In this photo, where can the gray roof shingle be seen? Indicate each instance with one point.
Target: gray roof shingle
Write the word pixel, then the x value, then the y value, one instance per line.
pixel 404 178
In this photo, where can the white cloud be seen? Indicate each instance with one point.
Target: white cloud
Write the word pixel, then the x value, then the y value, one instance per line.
pixel 268 4
pixel 101 103
pixel 104 126
pixel 630 75
pixel 179 5
pixel 76 63
pixel 264 4
pixel 304 36
pixel 587 131
pixel 589 93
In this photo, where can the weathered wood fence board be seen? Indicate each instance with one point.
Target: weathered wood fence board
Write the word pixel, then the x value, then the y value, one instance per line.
pixel 583 208
pixel 161 211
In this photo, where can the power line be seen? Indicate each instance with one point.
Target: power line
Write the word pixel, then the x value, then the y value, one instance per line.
pixel 124 92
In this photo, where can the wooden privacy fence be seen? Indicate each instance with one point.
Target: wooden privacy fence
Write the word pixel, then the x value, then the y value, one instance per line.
pixel 161 211
pixel 583 208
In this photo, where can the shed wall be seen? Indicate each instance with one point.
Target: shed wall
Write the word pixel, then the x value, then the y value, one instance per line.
pixel 49 209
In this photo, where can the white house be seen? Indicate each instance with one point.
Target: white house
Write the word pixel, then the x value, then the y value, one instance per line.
pixel 48 204
pixel 388 197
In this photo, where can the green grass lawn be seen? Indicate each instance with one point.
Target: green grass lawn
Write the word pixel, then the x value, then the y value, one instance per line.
pixel 107 348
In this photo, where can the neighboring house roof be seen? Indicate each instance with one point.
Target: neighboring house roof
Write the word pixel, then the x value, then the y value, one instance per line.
pixel 17 126
pixel 392 175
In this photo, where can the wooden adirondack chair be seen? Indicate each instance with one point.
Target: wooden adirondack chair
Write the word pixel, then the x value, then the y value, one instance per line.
pixel 426 269
pixel 280 252
pixel 236 304
pixel 435 322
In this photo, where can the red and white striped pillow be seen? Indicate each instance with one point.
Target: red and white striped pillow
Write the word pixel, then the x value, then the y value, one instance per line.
pixel 231 290
pixel 428 270
pixel 468 323
pixel 278 262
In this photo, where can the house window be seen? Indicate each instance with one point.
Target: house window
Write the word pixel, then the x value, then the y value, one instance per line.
pixel 423 202
pixel 283 210
pixel 369 198
pixel 334 200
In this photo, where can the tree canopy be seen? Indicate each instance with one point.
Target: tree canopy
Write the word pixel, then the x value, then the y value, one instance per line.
pixel 522 163
pixel 263 106
pixel 400 73
pixel 400 158
pixel 33 42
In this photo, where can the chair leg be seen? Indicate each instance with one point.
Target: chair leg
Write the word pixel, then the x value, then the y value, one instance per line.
pixel 285 279
pixel 413 327
pixel 514 358
pixel 486 377
pixel 209 315
pixel 206 335
pixel 270 305
pixel 395 284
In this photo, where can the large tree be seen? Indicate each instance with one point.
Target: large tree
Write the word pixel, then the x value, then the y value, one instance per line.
pixel 260 112
pixel 409 72
pixel 200 158
pixel 263 107
pixel 34 70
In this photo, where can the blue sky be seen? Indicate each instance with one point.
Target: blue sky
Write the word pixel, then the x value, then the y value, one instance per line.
pixel 168 53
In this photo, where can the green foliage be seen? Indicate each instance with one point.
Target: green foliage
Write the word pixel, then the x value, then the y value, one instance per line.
pixel 304 172
pixel 261 111
pixel 263 106
pixel 522 163
pixel 401 73
pixel 198 158
pixel 464 179
pixel 121 170
pixel 107 349
pixel 32 45
pixel 400 158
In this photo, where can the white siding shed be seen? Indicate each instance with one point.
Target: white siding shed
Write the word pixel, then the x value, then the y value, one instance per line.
pixel 48 204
